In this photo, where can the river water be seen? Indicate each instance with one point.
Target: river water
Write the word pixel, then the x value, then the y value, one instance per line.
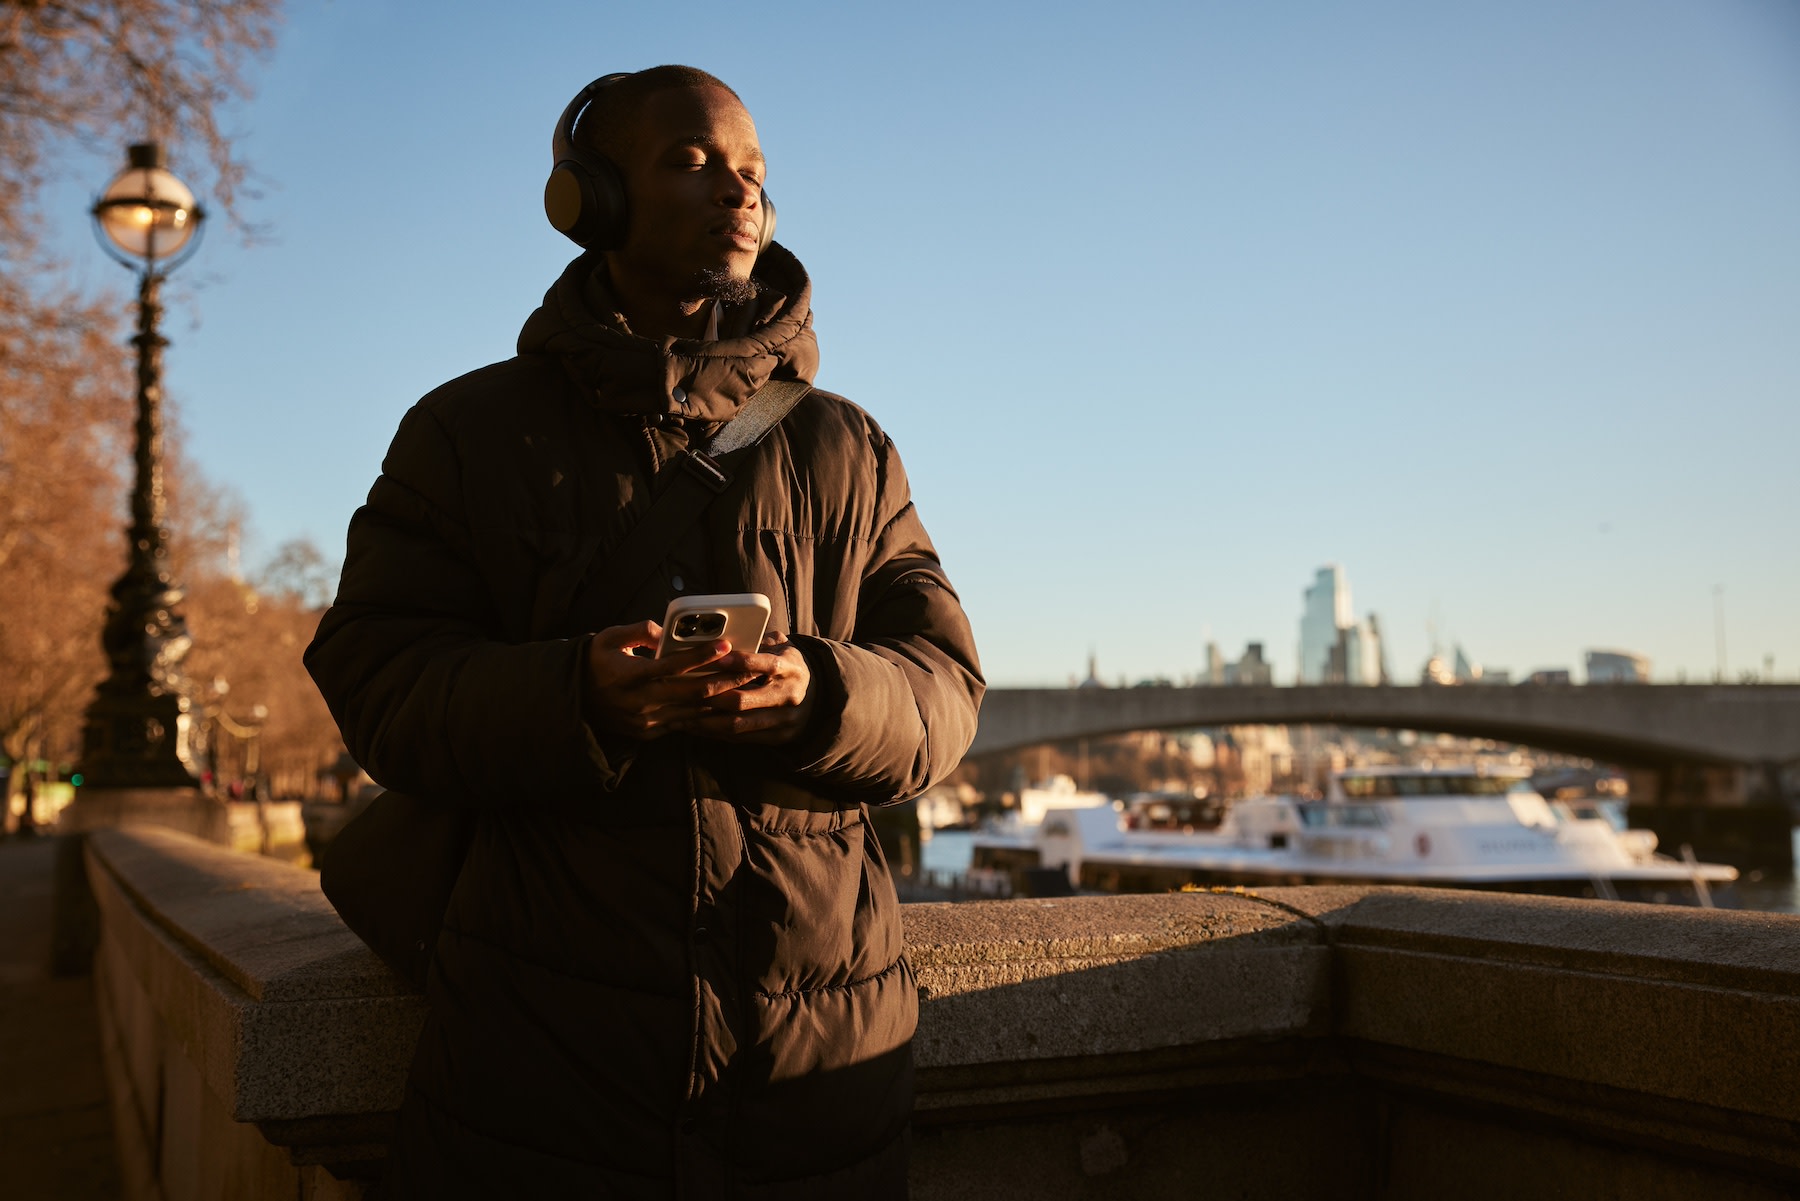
pixel 947 853
pixel 1772 894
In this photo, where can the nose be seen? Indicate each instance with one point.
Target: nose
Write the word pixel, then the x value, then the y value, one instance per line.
pixel 736 192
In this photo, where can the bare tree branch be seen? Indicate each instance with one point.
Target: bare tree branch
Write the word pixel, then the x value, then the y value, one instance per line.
pixel 103 71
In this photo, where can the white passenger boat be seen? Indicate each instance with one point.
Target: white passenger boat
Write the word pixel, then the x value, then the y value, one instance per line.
pixel 1463 827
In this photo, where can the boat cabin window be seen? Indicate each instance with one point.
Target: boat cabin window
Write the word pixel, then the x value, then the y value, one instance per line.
pixel 1317 815
pixel 1533 810
pixel 1446 784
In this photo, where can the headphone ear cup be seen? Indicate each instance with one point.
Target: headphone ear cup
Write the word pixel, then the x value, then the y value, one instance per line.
pixel 564 199
pixel 768 224
pixel 585 201
pixel 610 213
pixel 585 195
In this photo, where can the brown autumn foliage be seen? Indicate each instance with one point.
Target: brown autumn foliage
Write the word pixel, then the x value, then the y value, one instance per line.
pixel 249 630
pixel 248 638
pixel 105 73
pixel 64 412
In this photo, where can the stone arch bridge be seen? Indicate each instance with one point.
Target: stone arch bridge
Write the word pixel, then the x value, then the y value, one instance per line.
pixel 1634 725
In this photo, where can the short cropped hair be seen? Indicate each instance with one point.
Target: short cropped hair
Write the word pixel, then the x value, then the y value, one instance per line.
pixel 609 123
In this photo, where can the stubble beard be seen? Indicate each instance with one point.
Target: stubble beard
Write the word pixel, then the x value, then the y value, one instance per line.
pixel 717 283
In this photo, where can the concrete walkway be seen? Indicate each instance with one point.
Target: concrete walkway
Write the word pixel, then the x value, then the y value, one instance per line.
pixel 56 1140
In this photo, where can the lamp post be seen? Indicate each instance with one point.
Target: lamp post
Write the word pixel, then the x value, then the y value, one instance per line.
pixel 140 731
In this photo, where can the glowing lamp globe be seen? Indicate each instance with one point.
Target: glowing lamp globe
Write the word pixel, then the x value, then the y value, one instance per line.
pixel 145 212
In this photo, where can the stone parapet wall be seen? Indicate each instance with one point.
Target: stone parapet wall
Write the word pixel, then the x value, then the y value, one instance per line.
pixel 254 1047
pixel 260 827
pixel 1294 1043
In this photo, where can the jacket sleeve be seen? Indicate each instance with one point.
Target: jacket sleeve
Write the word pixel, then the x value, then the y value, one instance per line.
pixel 429 699
pixel 895 707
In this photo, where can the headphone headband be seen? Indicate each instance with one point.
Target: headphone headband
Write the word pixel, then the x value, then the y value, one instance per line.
pixel 562 142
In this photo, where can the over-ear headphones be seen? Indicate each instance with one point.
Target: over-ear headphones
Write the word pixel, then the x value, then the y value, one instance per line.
pixel 585 194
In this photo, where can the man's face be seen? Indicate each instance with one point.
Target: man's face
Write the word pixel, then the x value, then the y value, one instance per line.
pixel 694 180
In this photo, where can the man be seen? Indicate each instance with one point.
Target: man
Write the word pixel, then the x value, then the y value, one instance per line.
pixel 671 964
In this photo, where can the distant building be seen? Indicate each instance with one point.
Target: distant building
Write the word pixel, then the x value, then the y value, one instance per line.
pixel 1617 667
pixel 1251 669
pixel 1326 611
pixel 1335 648
pixel 1252 758
pixel 1358 657
pixel 1436 671
pixel 1550 675
pixel 1214 672
pixel 1460 669
pixel 1316 757
pixel 1381 663
pixel 1093 675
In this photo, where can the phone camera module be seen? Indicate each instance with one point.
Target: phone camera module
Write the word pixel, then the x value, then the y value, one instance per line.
pixel 699 627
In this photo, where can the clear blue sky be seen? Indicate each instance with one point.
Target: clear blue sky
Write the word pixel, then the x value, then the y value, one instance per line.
pixel 1165 304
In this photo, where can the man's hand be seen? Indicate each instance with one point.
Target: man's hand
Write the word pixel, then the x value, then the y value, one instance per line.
pixel 642 697
pixel 772 704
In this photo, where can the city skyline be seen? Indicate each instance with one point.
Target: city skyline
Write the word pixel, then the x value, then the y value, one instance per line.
pixel 1342 648
pixel 1495 306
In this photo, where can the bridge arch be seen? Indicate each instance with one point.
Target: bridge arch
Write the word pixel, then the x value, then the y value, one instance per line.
pixel 1639 725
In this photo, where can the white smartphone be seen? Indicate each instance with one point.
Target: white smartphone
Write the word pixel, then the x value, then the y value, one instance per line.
pixel 735 617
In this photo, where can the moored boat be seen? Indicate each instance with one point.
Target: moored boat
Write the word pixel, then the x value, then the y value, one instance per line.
pixel 1474 826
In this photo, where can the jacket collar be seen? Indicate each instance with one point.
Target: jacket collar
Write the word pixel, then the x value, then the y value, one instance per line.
pixel 625 373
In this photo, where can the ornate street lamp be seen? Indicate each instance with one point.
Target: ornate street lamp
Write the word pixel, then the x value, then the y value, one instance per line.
pixel 140 730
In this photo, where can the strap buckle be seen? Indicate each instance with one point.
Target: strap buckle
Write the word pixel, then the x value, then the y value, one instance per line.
pixel 706 469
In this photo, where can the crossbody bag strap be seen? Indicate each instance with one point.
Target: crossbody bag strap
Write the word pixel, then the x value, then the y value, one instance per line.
pixel 703 474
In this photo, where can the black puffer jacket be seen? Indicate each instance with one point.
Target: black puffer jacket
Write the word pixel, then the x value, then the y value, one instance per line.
pixel 670 968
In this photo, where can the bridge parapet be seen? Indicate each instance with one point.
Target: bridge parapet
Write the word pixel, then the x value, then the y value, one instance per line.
pixel 1647 725
pixel 1311 1042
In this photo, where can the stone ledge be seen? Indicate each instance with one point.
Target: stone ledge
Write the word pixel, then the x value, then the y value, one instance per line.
pixel 190 922
pixel 1667 944
pixel 1697 1006
pixel 1621 1025
pixel 1713 1046
pixel 1011 981
pixel 1090 928
pixel 185 809
pixel 261 923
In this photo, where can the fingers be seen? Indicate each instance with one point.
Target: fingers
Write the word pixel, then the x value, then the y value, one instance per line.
pixel 768 662
pixel 620 638
pixel 647 635
pixel 769 693
pixel 717 684
pixel 696 692
pixel 680 662
pixel 614 666
pixel 709 690
pixel 643 697
pixel 759 725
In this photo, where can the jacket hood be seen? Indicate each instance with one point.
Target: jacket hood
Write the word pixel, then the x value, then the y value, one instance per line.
pixel 771 337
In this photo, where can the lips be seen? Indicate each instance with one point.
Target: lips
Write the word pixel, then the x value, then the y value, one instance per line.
pixel 744 232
